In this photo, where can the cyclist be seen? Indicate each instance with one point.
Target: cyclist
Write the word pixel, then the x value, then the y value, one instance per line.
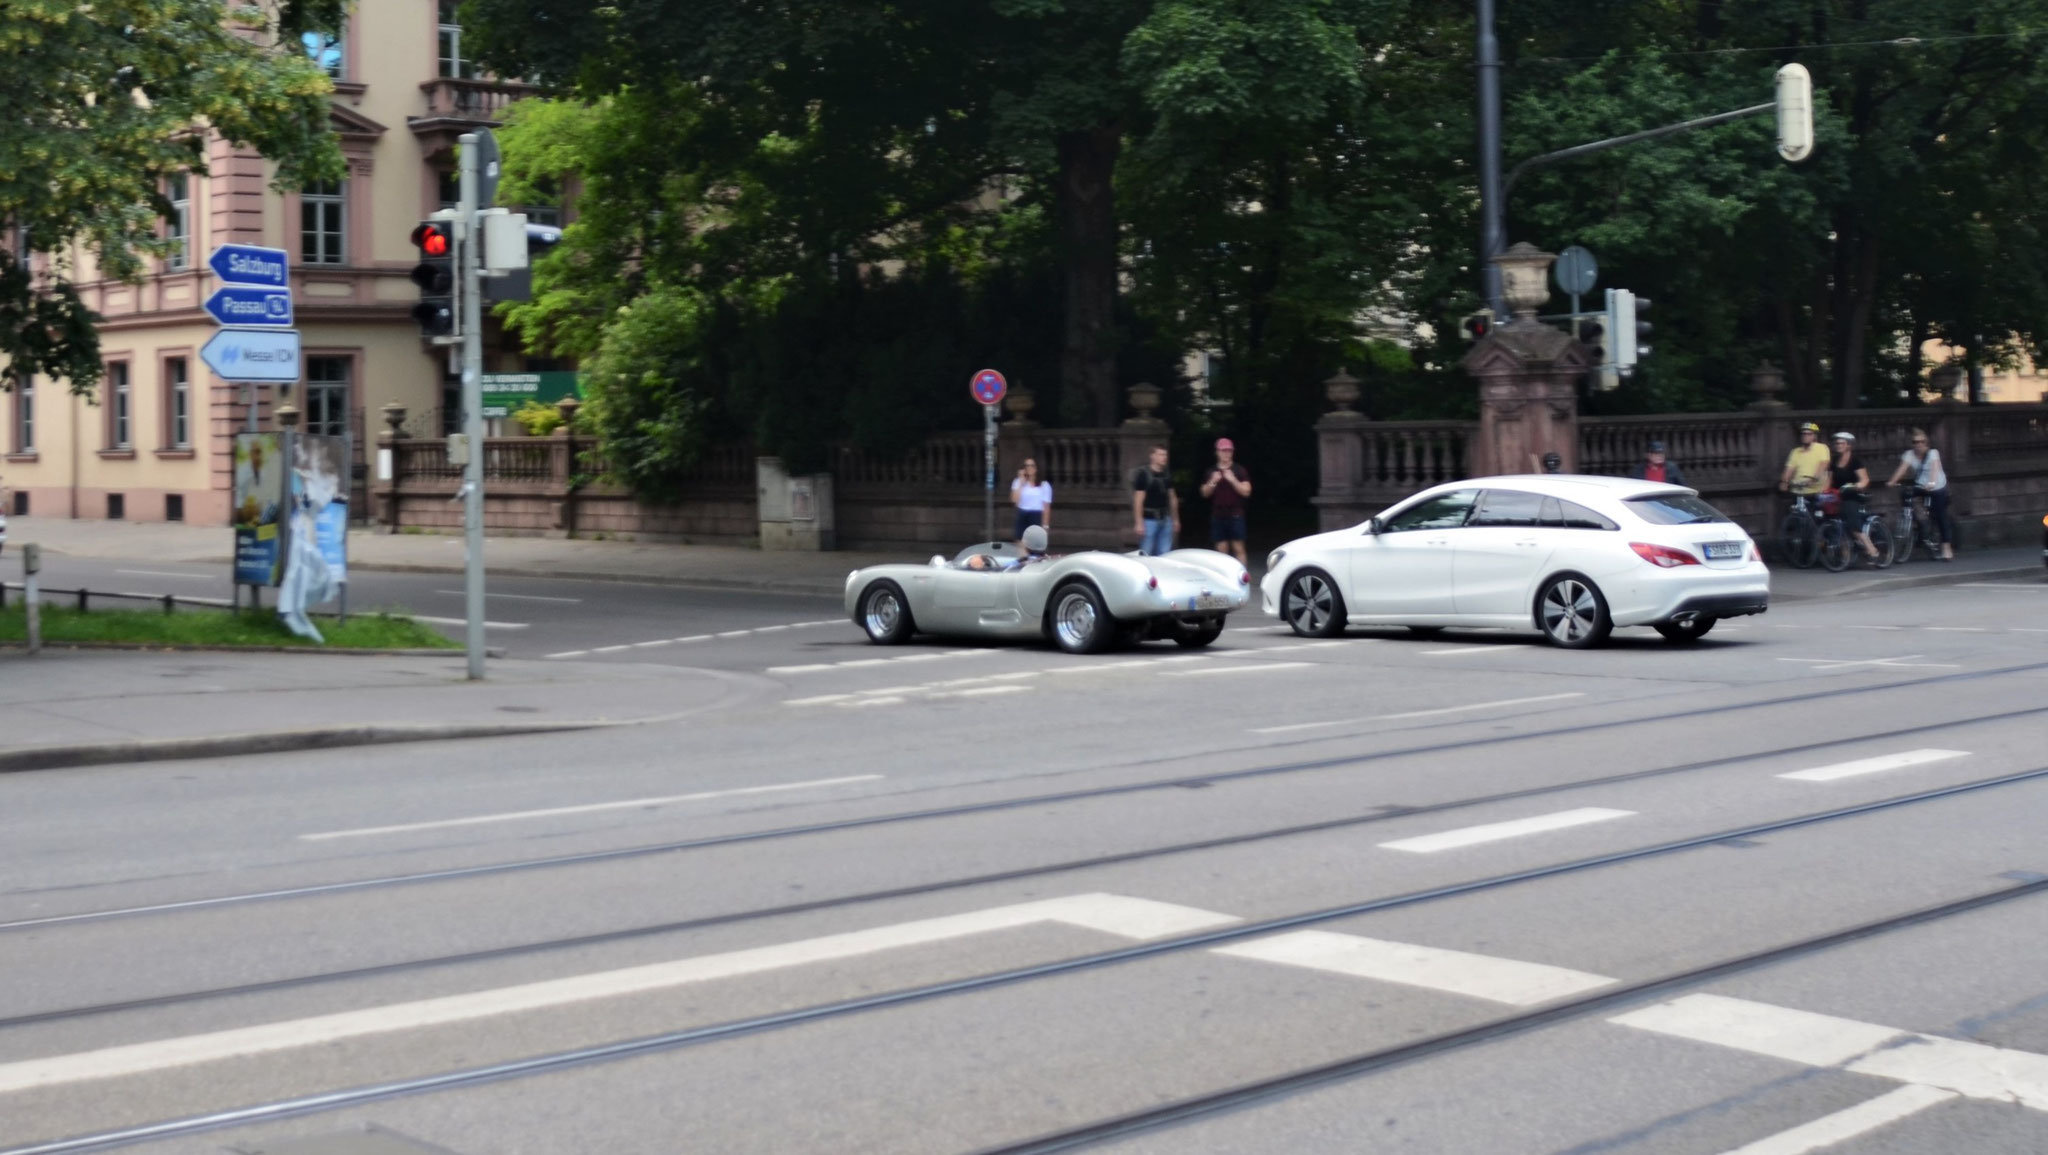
pixel 1923 461
pixel 1806 467
pixel 1848 475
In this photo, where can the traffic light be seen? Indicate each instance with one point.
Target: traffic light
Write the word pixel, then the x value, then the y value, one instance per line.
pixel 517 284
pixel 1477 326
pixel 1623 310
pixel 1795 112
pixel 1593 332
pixel 435 275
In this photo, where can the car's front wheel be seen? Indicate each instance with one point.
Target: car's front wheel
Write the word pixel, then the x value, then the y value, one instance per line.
pixel 1311 605
pixel 885 615
pixel 1080 622
pixel 1688 630
pixel 1571 613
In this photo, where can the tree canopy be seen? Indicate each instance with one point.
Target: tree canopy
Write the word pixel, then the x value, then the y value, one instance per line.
pixel 105 102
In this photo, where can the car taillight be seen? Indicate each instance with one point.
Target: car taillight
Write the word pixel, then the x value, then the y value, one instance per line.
pixel 1244 578
pixel 1753 554
pixel 1662 556
pixel 1152 583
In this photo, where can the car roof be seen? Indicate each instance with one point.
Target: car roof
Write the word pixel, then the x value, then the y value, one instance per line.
pixel 1568 485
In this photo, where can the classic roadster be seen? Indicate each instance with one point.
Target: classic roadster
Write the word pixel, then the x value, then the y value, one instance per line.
pixel 1085 602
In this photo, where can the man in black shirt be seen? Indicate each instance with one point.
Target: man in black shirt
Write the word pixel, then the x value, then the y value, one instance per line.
pixel 1155 507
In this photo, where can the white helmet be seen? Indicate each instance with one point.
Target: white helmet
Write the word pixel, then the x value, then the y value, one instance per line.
pixel 1844 436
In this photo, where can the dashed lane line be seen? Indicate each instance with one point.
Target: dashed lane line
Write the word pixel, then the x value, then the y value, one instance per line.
pixel 1233 671
pixel 1874 765
pixel 465 621
pixel 1417 713
pixel 664 641
pixel 586 808
pixel 1497 831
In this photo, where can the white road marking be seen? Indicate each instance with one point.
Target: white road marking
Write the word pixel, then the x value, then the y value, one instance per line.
pixel 1496 831
pixel 1481 976
pixel 465 621
pixel 979 692
pixel 875 702
pixel 514 597
pixel 2000 1074
pixel 1873 765
pixel 1902 662
pixel 826 622
pixel 815 667
pixel 1956 629
pixel 1461 650
pixel 652 644
pixel 2002 586
pixel 1829 1130
pixel 735 633
pixel 769 629
pixel 1262 651
pixel 611 649
pixel 820 700
pixel 1418 713
pixel 588 808
pixel 695 638
pixel 197 577
pixel 1132 918
pixel 569 654
pixel 1259 668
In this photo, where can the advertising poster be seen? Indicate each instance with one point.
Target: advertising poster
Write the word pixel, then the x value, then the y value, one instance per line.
pixel 259 503
pixel 315 566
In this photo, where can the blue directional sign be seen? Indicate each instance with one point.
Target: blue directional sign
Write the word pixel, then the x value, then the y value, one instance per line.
pixel 236 305
pixel 250 265
pixel 254 355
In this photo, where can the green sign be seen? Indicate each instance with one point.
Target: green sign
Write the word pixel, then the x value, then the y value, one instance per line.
pixel 504 392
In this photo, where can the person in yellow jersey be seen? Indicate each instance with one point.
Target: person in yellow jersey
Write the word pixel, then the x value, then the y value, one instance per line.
pixel 1806 467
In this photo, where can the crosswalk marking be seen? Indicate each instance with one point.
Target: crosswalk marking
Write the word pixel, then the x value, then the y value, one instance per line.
pixel 1481 976
pixel 1133 918
pixel 1829 1130
pixel 1874 765
pixel 1496 831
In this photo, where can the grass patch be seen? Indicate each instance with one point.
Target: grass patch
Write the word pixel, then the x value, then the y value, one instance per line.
pixel 218 628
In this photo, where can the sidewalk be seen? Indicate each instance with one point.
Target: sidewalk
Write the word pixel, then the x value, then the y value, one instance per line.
pixel 91 707
pixel 821 574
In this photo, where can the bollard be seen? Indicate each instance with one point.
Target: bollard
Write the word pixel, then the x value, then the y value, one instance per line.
pixel 32 564
pixel 168 603
pixel 82 595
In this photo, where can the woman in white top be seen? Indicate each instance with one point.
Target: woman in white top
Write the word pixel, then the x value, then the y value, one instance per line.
pixel 1033 499
pixel 1923 461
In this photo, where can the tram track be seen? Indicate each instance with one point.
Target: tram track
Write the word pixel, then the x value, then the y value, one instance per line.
pixel 1193 1107
pixel 1185 781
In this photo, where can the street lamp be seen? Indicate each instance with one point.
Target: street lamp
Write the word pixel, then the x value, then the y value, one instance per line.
pixel 1525 276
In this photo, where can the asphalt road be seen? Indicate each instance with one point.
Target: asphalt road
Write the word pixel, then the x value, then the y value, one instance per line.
pixel 1782 891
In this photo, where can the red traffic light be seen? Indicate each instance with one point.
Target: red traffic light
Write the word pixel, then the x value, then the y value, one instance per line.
pixel 432 239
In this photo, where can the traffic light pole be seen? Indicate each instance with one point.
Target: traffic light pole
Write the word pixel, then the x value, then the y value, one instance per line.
pixel 469 291
pixel 1492 209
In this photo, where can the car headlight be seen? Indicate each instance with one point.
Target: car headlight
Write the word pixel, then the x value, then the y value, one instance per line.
pixel 1273 559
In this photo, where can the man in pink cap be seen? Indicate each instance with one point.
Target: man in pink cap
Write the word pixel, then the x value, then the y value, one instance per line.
pixel 1226 488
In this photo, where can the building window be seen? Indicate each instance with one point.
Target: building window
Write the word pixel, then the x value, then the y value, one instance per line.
pixel 323 223
pixel 178 191
pixel 324 51
pixel 453 64
pixel 178 403
pixel 327 396
pixel 119 403
pixel 25 414
pixel 450 189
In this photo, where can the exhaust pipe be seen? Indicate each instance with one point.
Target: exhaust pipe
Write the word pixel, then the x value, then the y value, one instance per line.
pixel 1685 618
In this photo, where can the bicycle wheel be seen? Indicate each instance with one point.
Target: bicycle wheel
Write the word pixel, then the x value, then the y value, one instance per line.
pixel 1904 531
pixel 1881 538
pixel 1798 541
pixel 1834 546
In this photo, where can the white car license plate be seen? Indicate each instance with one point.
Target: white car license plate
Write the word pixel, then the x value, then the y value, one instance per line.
pixel 1724 551
pixel 1209 602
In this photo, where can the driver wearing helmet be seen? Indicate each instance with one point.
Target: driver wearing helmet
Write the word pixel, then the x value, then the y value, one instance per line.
pixel 1806 467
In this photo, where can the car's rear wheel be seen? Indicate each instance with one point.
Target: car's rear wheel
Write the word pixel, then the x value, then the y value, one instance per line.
pixel 885 615
pixel 1311 605
pixel 1689 630
pixel 1080 623
pixel 1571 613
pixel 1195 635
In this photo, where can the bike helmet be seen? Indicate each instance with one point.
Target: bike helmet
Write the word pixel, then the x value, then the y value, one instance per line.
pixel 1809 427
pixel 1844 436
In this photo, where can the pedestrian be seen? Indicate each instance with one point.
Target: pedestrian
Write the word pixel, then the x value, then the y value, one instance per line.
pixel 1553 463
pixel 1155 507
pixel 1657 465
pixel 1848 477
pixel 1228 486
pixel 1806 467
pixel 1923 461
pixel 1033 499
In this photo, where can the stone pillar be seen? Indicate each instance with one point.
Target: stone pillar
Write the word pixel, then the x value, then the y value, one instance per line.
pixel 1528 377
pixel 565 512
pixel 1016 439
pixel 388 479
pixel 1340 448
pixel 796 512
pixel 1775 434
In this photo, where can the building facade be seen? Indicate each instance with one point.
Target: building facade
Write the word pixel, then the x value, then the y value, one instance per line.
pixel 154 442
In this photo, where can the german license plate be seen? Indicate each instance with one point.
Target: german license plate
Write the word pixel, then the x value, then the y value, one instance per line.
pixel 1209 602
pixel 1724 551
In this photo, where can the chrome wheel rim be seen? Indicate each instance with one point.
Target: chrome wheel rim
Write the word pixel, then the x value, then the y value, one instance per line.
pixel 1569 610
pixel 1075 620
pixel 1309 603
pixel 884 611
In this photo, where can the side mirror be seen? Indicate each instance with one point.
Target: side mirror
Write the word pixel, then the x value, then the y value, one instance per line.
pixel 1372 526
pixel 938 562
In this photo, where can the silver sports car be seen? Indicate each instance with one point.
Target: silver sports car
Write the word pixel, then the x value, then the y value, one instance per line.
pixel 1085 602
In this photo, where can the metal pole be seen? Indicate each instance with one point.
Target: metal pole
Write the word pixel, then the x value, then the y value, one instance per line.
pixel 468 293
pixel 1492 223
pixel 1617 141
pixel 988 453
pixel 31 587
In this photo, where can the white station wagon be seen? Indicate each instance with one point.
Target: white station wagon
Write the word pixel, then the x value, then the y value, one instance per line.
pixel 1571 556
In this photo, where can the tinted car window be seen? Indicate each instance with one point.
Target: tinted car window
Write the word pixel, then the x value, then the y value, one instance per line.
pixel 1444 511
pixel 1508 507
pixel 1674 509
pixel 1560 514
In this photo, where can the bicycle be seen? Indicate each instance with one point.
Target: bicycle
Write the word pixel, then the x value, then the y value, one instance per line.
pixel 1799 533
pixel 1838 544
pixel 1915 527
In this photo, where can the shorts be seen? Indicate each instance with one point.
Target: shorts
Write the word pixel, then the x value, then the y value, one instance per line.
pixel 1026 518
pixel 1226 527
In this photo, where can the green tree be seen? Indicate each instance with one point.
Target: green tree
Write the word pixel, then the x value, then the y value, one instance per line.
pixel 104 103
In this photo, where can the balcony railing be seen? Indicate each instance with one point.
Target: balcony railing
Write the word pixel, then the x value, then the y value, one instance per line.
pixel 483 101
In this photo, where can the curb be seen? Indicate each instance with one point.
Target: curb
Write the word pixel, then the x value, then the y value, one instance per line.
pixel 769 586
pixel 1881 584
pixel 264 742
